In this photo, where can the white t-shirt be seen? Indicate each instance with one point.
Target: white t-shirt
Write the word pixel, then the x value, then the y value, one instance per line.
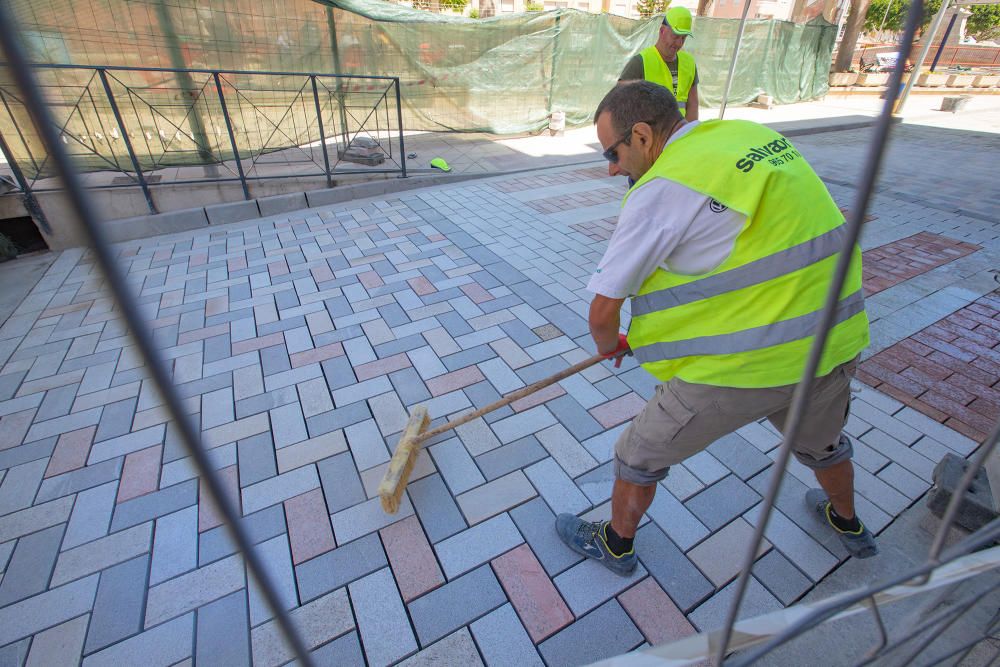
pixel 665 225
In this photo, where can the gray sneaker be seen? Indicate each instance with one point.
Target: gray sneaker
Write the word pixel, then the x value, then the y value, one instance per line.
pixel 860 544
pixel 589 539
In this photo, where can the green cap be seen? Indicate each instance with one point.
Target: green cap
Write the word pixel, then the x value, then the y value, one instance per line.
pixel 679 20
pixel 439 163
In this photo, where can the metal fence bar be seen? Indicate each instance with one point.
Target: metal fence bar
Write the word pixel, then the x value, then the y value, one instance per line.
pixel 736 55
pixel 800 399
pixel 322 135
pixel 232 137
pixel 86 215
pixel 197 70
pixel 399 119
pixel 128 143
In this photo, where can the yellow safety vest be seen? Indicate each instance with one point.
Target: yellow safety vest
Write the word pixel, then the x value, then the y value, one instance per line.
pixel 749 322
pixel 655 70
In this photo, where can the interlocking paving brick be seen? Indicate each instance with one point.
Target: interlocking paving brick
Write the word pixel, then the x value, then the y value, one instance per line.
pixel 309 530
pixel 781 577
pixel 382 622
pixel 256 459
pixel 589 584
pixel 620 410
pixel 217 408
pixel 436 508
pixel 907 258
pixel 597 483
pixel 604 633
pixel 287 425
pixel 345 650
pixel 532 593
pixel 795 544
pixel 508 458
pixel 899 453
pixel 455 604
pixel 739 455
pixel 364 518
pixel 59 645
pixel 19 486
pixel 457 648
pixel 719 503
pixel 556 488
pixel 28 571
pixel 223 632
pixel 36 518
pixel 456 466
pixel 672 516
pixel 503 641
pixel 412 559
pixel 720 556
pixel 494 497
pixel 657 617
pixel 240 429
pixel 706 467
pixel 572 415
pixel 682 581
pixel 118 607
pixel 279 488
pixel 523 424
pixel 91 515
pixel 209 513
pixel 711 614
pixel 337 568
pixel 194 589
pixel 537 523
pixel 470 548
pixel 175 545
pixel 311 451
pixel 318 622
pixel 141 473
pixel 14 427
pixel 47 609
pixel 126 444
pixel 366 444
pixel 277 561
pixel 564 448
pixel 165 644
pixel 904 481
pixel 102 553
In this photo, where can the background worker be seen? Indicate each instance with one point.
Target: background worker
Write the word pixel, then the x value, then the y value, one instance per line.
pixel 664 62
pixel 725 245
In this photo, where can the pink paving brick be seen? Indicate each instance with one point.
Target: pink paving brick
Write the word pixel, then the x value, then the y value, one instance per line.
pixel 476 292
pixel 459 379
pixel 434 238
pixel 62 310
pixel 141 474
pixel 236 263
pixel 316 355
pixel 172 298
pixel 203 333
pixel 208 514
pixel 14 427
pixel 161 255
pixel 71 451
pixel 654 613
pixel 198 258
pixel 539 397
pixel 538 603
pixel 259 343
pixel 382 367
pixel 216 306
pixel 278 268
pixel 370 279
pixel 412 560
pixel 619 410
pixel 309 530
pixel 322 273
pixel 421 286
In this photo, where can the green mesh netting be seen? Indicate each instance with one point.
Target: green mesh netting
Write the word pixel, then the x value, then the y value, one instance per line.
pixel 503 74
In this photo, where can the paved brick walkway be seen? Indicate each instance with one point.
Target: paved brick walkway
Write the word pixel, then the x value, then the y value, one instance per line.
pixel 299 342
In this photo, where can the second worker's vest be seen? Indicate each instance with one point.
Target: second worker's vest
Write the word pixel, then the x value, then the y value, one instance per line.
pixel 750 321
pixel 655 70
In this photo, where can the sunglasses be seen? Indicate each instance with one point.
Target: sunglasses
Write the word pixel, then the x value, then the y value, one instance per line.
pixel 611 155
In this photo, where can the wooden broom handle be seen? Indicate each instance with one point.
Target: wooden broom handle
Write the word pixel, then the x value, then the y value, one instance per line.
pixel 515 396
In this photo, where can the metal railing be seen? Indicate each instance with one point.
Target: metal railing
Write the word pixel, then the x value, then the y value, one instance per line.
pixel 159 126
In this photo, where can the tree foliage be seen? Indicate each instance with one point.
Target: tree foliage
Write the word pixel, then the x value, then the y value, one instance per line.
pixel 648 8
pixel 531 6
pixel 984 24
pixel 890 15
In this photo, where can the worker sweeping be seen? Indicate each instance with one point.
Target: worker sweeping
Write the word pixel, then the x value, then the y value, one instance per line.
pixel 725 245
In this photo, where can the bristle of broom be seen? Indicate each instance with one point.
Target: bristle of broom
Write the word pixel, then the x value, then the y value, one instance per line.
pixel 390 490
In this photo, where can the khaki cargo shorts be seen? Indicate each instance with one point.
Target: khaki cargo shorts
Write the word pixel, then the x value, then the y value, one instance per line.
pixel 683 418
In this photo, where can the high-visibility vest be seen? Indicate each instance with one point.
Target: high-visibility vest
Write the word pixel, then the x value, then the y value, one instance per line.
pixel 655 70
pixel 751 321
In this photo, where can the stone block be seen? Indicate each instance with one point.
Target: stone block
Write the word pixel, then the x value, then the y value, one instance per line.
pixel 282 204
pixel 977 507
pixel 222 214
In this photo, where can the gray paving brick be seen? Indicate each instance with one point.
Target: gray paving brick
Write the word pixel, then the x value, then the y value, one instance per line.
pixel 102 553
pixel 574 417
pixel 508 458
pixel 341 484
pixel 436 508
pixel 894 427
pixel 681 580
pixel 166 644
pixel 366 444
pixel 287 425
pixel 739 456
pixel 15 654
pixel 35 518
pixel 795 544
pixel 154 505
pixel 537 523
pixel 904 481
pixel 53 607
pixel 781 578
pixel 589 584
pixel 711 615
pixel 523 424
pixel 175 545
pixel 223 632
pixel 367 517
pixel 338 418
pixel 118 607
pixel 470 548
pixel 256 459
pixel 341 652
pixel 604 633
pixel 6 549
pixel 263 525
pixel 314 396
pixel 382 621
pixel 126 444
pixel 457 648
pixel 20 485
pixel 276 557
pixel 30 565
pixel 482 394
pixel 706 467
pixel 337 568
pixel 456 466
pixel 495 497
pixel 602 445
pixel 116 419
pixel 503 641
pixel 409 387
pixel 597 483
pixel 682 483
pixel 884 497
pixel 566 450
pixel 318 622
pixel 91 515
pixel 558 490
pixel 941 433
pixel 57 402
pixel 338 372
pixel 279 488
pixel 217 408
pixel 721 502
pixel 455 604
pixel 194 589
pixel 469 356
pixel 59 645
pixel 15 456
pixel 899 453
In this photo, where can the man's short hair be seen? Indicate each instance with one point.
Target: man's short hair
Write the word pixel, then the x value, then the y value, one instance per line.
pixel 639 102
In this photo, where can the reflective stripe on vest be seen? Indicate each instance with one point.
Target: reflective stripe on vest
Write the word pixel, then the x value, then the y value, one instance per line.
pixel 656 70
pixel 750 321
